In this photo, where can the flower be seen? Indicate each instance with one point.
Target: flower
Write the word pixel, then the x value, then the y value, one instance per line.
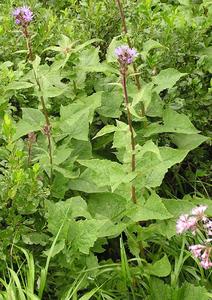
pixel 208 227
pixel 23 15
pixel 184 223
pixel 196 250
pixel 203 253
pixel 206 264
pixel 199 212
pixel 205 258
pixel 125 54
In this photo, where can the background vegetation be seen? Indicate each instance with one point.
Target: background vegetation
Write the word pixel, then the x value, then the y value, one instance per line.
pixel 68 227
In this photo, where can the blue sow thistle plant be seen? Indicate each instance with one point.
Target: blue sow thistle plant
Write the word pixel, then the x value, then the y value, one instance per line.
pixel 126 56
pixel 80 185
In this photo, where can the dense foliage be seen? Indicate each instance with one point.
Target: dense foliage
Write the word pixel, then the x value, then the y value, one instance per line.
pixel 100 155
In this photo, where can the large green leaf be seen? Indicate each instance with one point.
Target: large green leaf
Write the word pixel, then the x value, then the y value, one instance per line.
pixel 19 85
pixel 69 209
pixel 106 173
pixel 185 292
pixel 151 168
pixel 32 120
pixel 111 103
pixel 145 96
pixel 153 209
pixel 190 142
pixel 75 117
pixel 84 233
pixel 85 183
pixel 75 121
pixel 173 122
pixel 105 130
pixel 107 205
pixel 89 57
pixel 166 79
pixel 160 268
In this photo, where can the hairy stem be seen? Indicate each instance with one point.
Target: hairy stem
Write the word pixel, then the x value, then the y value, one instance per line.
pixel 133 163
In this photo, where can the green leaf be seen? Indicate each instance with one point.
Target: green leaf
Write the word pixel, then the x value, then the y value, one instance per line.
pixel 189 142
pixel 178 207
pixel 190 292
pixel 75 118
pixel 151 169
pixel 111 104
pixel 83 234
pixel 173 122
pixel 160 268
pixel 149 146
pixel 155 107
pixel 19 85
pixel 145 96
pixel 166 79
pixel 61 154
pixel 88 58
pixel 59 246
pixel 86 184
pixel 106 173
pixel 107 205
pixel 151 44
pixel 75 121
pixel 105 130
pixel 153 209
pixel 57 212
pixel 148 46
pixel 159 290
pixel 32 120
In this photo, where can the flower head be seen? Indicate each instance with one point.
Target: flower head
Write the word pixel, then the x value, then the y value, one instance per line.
pixel 23 15
pixel 199 212
pixel 203 253
pixel 196 250
pixel 184 223
pixel 125 54
pixel 208 227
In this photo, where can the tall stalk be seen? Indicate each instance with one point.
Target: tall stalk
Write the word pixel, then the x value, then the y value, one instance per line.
pixel 126 56
pixel 125 31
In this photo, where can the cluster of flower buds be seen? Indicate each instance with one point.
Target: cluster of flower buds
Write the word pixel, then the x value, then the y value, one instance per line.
pixel 47 130
pixel 23 15
pixel 125 55
pixel 194 222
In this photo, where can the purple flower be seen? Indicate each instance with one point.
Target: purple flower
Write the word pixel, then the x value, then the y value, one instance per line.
pixel 184 223
pixel 23 15
pixel 125 54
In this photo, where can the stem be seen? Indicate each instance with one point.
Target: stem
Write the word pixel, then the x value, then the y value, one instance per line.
pixel 124 26
pixel 29 153
pixel 45 112
pixel 124 85
pixel 28 42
